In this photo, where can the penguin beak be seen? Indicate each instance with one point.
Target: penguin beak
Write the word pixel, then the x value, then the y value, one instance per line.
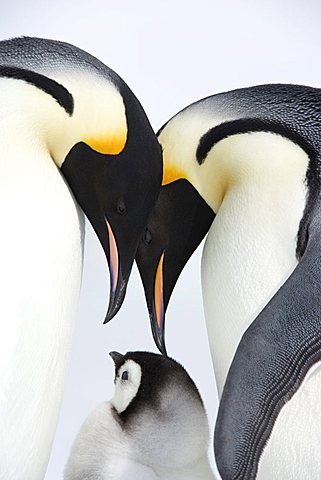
pixel 117 198
pixel 179 222
pixel 118 359
pixel 153 281
pixel 159 313
pixel 117 282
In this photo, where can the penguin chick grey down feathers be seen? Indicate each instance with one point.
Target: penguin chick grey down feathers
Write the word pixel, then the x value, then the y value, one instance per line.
pixel 155 426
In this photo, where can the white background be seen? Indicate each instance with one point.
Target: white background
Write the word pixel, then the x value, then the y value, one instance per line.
pixel 170 53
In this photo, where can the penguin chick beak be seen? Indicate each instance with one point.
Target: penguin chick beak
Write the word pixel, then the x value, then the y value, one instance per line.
pixel 179 222
pixel 118 359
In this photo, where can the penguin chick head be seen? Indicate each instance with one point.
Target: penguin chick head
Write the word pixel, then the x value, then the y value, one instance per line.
pixel 158 405
pixel 127 381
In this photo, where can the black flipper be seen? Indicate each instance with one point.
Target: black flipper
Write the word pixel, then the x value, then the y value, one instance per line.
pixel 271 361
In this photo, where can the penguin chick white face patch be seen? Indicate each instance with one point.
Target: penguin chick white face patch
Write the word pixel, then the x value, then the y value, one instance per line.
pixel 127 383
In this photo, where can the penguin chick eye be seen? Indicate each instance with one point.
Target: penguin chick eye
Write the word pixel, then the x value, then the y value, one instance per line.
pixel 124 375
pixel 121 207
pixel 148 237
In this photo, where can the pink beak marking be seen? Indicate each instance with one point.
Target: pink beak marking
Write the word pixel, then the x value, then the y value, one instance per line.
pixel 114 261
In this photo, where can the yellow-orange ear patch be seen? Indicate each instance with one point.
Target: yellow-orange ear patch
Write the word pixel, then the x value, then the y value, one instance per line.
pixel 108 144
pixel 172 173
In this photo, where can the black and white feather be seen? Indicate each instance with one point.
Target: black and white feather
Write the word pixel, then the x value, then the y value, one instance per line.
pixel 155 426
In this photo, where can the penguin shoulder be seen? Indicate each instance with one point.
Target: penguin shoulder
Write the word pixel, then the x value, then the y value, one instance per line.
pixel 99 442
pixel 101 450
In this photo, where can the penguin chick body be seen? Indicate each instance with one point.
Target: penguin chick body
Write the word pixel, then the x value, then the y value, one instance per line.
pixel 155 426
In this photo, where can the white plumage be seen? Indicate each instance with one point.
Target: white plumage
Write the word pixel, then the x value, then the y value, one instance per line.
pixel 42 233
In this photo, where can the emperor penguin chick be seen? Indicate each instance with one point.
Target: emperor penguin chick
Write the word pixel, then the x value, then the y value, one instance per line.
pixel 154 428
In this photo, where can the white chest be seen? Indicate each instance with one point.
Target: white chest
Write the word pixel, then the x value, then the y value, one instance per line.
pixel 249 253
pixel 294 448
pixel 250 249
pixel 41 248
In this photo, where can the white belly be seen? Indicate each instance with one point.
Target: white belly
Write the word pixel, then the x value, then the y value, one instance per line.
pixel 293 451
pixel 250 249
pixel 248 254
pixel 41 248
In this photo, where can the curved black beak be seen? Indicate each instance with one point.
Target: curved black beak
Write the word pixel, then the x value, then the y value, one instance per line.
pixel 117 358
pixel 179 222
pixel 118 283
pixel 153 282
pixel 117 198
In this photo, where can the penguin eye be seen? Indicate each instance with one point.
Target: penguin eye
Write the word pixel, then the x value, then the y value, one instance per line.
pixel 121 207
pixel 124 375
pixel 148 237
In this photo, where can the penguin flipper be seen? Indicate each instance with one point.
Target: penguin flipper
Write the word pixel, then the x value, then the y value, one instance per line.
pixel 271 362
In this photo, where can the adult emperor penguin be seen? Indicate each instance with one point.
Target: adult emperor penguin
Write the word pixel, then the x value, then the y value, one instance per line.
pixel 155 426
pixel 63 114
pixel 251 159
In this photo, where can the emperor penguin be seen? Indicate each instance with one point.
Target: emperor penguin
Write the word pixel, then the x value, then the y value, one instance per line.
pixel 155 426
pixel 244 166
pixel 72 135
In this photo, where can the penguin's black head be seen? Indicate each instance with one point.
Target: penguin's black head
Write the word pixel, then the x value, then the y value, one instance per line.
pixel 141 378
pixel 117 193
pixel 179 222
pixel 93 127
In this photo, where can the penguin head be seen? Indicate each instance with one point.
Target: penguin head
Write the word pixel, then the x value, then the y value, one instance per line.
pixel 158 405
pixel 180 220
pixel 95 130
pixel 210 148
pixel 128 376
pixel 117 193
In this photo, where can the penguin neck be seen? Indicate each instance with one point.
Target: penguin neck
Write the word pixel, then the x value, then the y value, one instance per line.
pixel 137 122
pixel 31 122
pixel 98 120
pixel 251 247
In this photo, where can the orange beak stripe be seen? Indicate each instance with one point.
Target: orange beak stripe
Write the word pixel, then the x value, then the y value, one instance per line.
pixel 114 261
pixel 158 292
